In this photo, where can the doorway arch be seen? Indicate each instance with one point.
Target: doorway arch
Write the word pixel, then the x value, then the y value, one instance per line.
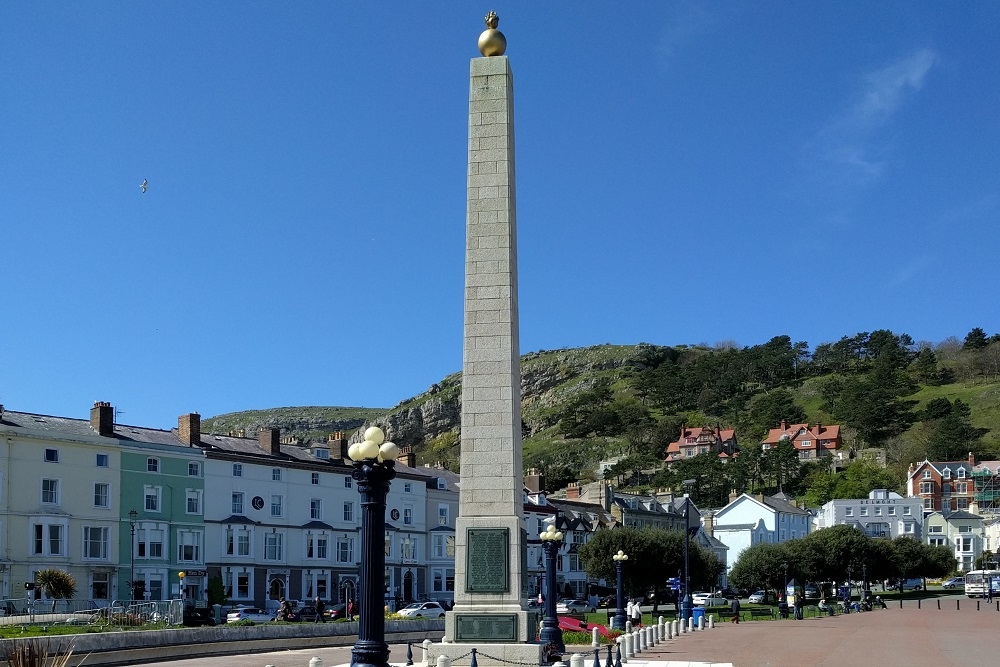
pixel 408 586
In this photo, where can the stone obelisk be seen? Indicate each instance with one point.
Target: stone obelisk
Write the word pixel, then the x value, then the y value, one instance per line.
pixel 489 544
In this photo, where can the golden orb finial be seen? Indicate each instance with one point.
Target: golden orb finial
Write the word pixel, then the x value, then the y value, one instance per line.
pixel 492 42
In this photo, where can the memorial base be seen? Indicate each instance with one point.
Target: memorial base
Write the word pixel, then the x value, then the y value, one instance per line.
pixel 487 655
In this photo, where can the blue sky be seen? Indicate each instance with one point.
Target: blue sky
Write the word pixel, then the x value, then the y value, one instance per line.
pixel 686 173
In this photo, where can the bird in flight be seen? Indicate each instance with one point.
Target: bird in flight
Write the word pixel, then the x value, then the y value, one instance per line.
pixel 144 185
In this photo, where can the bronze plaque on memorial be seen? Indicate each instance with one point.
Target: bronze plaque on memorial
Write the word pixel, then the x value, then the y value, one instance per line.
pixel 486 560
pixel 486 627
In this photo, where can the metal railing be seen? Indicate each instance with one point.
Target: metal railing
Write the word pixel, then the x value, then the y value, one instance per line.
pixel 117 613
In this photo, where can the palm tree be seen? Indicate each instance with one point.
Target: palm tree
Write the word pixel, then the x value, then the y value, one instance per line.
pixel 57 584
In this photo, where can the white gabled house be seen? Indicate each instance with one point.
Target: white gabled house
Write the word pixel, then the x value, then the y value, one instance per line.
pixel 748 520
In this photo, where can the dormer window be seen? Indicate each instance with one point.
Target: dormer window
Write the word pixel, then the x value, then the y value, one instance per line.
pixel 961 473
pixel 322 453
pixel 947 473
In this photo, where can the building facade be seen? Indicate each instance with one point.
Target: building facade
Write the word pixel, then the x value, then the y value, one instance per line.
pixel 810 442
pixel 961 531
pixel 883 514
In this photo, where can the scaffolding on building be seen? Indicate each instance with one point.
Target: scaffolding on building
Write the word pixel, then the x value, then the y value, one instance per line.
pixel 987 491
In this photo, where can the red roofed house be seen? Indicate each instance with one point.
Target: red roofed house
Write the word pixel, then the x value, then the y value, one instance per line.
pixel 696 440
pixel 811 442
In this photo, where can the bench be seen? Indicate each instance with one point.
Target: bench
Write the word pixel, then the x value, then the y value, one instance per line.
pixel 726 614
pixel 761 613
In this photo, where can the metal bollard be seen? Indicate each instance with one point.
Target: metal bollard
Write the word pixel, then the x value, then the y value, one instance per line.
pixel 711 621
pixel 426 646
pixel 474 662
pixel 597 657
pixel 611 661
pixel 691 625
pixel 316 662
pixel 629 652
pixel 677 627
pixel 669 627
pixel 701 622
pixel 636 648
pixel 576 660
pixel 618 655
pixel 444 661
pixel 650 637
pixel 628 626
pixel 595 638
pixel 409 654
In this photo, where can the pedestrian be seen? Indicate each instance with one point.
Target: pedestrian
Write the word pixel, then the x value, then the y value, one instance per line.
pixel 350 609
pixel 320 609
pixel 284 610
pixel 628 611
pixel 735 607
pixel 636 614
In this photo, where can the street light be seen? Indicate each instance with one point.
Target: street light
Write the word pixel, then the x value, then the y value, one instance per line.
pixel 180 575
pixel 132 514
pixel 550 632
pixel 618 622
pixel 686 605
pixel 783 598
pixel 374 468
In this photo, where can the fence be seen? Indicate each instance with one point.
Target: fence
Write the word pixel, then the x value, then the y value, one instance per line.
pixel 117 614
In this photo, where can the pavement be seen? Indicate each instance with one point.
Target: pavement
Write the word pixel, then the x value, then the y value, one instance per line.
pixel 910 637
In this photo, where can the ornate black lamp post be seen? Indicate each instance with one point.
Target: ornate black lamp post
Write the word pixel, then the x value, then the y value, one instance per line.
pixel 132 514
pixel 374 468
pixel 618 622
pixel 550 632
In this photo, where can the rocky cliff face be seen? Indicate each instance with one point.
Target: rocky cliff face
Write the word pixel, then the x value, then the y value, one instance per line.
pixel 548 379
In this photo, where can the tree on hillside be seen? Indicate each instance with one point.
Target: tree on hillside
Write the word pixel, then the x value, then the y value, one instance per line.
pixel 871 403
pixel 975 340
pixel 782 463
pixel 925 367
pixel 767 411
pixel 952 437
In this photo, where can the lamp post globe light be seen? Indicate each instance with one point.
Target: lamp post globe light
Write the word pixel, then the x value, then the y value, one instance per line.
pixel 132 514
pixel 374 468
pixel 618 622
pixel 551 633
pixel 180 577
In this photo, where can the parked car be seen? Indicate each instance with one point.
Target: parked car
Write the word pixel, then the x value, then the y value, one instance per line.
pixel 422 610
pixel 761 597
pixel 728 593
pixel 254 614
pixel 954 582
pixel 707 600
pixel 195 616
pixel 913 584
pixel 567 606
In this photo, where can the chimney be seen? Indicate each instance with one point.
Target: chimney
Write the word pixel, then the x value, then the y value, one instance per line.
pixel 784 425
pixel 819 429
pixel 338 445
pixel 708 522
pixel 573 491
pixel 407 457
pixel 189 429
pixel 102 419
pixel 535 481
pixel 972 459
pixel 270 440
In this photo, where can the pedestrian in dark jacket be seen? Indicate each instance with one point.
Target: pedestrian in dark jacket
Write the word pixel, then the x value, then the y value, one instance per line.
pixel 320 608
pixel 735 606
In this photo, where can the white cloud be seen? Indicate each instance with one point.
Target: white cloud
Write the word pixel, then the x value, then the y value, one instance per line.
pixel 849 139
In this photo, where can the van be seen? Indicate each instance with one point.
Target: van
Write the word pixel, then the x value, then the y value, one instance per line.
pixel 913 584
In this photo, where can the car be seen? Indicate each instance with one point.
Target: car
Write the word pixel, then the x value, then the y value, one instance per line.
pixel 707 600
pixel 954 582
pixel 760 597
pixel 422 610
pixel 913 584
pixel 255 614
pixel 533 603
pixel 567 606
pixel 196 616
pixel 811 591
pixel 728 593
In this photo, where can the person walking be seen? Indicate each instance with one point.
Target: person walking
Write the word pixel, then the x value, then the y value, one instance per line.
pixel 320 609
pixel 636 614
pixel 628 611
pixel 735 607
pixel 350 609
pixel 284 610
